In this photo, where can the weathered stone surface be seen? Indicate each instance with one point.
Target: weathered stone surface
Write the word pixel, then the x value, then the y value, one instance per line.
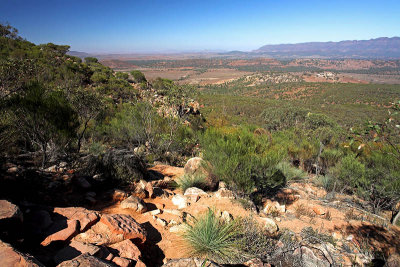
pixel 73 250
pixel 126 249
pixel 270 225
pixel 273 206
pixel 10 257
pixel 256 263
pixel 122 262
pixel 190 262
pixel 125 225
pixel 393 260
pixel 99 234
pixel 134 203
pixel 178 228
pixel 226 216
pixel 85 217
pixel 85 260
pixel 9 211
pixel 180 201
pixel 309 259
pixel 194 191
pixel 150 190
pixel 224 193
pixel 63 235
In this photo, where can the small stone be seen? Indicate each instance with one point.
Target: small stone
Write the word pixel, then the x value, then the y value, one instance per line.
pixel 350 238
pixel 270 225
pixel 222 185
pixel 134 203
pixel 224 193
pixel 177 228
pixel 149 189
pixel 155 212
pixel 127 249
pixel 318 210
pixel 226 216
pixel 119 195
pixel 173 212
pixel 12 170
pixel 162 222
pixel 180 201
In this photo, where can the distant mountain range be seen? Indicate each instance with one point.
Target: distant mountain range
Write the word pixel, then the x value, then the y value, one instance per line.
pixel 375 48
pixel 379 48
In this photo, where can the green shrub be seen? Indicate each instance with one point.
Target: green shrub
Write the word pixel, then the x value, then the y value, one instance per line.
pixel 242 159
pixel 279 118
pixel 330 157
pixel 138 76
pixel 315 120
pixel 351 174
pixel 210 237
pixel 188 181
pixel 291 172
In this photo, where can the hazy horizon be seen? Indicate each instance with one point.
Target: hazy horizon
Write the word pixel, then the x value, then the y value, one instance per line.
pixel 155 26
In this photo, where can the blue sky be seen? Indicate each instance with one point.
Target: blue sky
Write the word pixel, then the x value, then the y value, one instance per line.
pixel 128 26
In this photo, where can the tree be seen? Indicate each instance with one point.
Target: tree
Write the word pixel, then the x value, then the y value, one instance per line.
pixel 90 60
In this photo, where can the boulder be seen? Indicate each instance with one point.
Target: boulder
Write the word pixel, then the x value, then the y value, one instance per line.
pixel 73 250
pixel 180 201
pixel 134 203
pixel 194 191
pixel 85 260
pixel 270 225
pixel 224 193
pixel 126 249
pixel 273 206
pixel 309 259
pixel 125 225
pixel 65 234
pixel 192 262
pixel 85 217
pixel 149 189
pixel 9 212
pixel 11 257
pixel 198 166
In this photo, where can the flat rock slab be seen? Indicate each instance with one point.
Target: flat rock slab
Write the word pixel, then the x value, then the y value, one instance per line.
pixel 126 249
pixel 125 225
pixel 10 257
pixel 65 234
pixel 85 260
pixel 9 211
pixel 85 217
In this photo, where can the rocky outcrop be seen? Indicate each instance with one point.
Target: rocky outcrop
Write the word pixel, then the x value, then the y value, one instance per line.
pixel 9 211
pixel 73 250
pixel 10 257
pixel 180 201
pixel 127 249
pixel 125 225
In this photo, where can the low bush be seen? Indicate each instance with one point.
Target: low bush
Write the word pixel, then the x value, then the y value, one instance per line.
pixel 242 159
pixel 290 172
pixel 212 238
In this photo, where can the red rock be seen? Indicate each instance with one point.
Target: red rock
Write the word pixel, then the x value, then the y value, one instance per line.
pixel 10 257
pixel 122 262
pixel 99 234
pixel 85 217
pixel 126 249
pixel 9 211
pixel 140 263
pixel 149 189
pixel 64 234
pixel 85 260
pixel 125 225
pixel 318 210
